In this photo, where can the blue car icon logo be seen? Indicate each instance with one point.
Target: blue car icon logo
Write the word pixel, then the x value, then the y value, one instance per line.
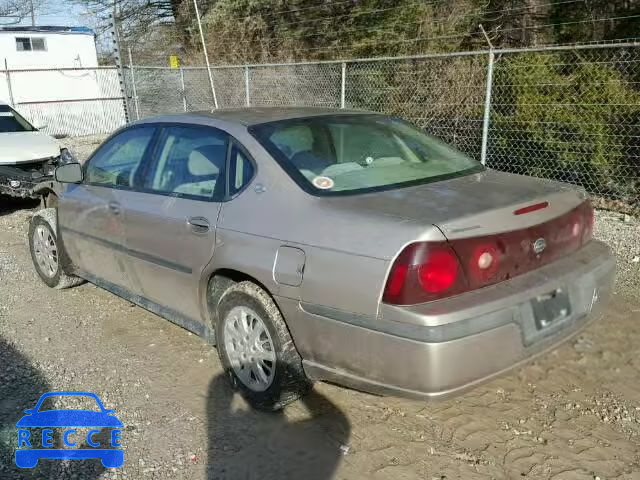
pixel 29 451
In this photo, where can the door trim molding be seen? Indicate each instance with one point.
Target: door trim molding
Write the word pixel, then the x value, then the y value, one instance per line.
pixel 133 253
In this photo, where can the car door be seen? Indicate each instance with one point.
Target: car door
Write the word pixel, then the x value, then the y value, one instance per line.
pixel 89 214
pixel 170 220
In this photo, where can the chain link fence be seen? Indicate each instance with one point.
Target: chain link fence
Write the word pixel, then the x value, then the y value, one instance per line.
pixel 565 113
pixel 569 115
pixel 66 101
pixel 442 95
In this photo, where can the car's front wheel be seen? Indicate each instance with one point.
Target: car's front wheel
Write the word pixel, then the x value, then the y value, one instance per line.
pixel 256 348
pixel 46 252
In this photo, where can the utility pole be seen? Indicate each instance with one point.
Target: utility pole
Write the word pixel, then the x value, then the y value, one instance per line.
pixel 206 55
pixel 487 100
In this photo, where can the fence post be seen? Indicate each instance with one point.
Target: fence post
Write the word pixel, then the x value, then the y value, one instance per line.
pixel 184 92
pixel 133 86
pixel 119 65
pixel 9 88
pixel 206 55
pixel 343 85
pixel 246 85
pixel 487 109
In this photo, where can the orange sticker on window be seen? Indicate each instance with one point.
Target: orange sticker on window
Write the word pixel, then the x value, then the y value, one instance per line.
pixel 323 183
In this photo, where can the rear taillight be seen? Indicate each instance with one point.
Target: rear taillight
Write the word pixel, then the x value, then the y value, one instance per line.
pixel 423 272
pixel 427 271
pixel 439 271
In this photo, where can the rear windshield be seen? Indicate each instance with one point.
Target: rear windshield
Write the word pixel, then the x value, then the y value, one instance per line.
pixel 347 154
pixel 11 121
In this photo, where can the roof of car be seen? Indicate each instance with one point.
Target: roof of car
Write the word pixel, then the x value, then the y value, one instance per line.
pixel 257 115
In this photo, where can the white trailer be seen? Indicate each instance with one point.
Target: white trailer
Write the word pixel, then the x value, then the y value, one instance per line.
pixel 51 76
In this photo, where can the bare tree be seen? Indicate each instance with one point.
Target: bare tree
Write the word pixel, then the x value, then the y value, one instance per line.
pixel 14 11
pixel 137 18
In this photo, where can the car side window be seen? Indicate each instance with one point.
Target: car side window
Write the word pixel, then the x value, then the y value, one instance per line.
pixel 189 162
pixel 240 170
pixel 116 162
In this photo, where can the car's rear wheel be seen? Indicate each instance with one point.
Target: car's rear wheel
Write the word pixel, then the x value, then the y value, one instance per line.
pixel 256 349
pixel 46 252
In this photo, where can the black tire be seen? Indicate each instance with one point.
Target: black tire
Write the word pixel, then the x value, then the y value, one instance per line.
pixel 61 278
pixel 289 382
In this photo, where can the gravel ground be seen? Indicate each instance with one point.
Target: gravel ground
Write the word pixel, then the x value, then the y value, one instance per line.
pixel 622 234
pixel 573 414
pixel 82 147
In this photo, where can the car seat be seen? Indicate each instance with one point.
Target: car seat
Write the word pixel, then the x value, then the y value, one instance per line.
pixel 204 166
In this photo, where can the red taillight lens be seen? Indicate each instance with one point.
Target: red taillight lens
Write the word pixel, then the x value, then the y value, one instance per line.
pixel 396 280
pixel 439 272
pixel 423 272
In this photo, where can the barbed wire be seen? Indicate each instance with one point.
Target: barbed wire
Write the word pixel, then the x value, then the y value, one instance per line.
pixel 294 38
pixel 361 13
pixel 328 5
pixel 559 24
pixel 380 41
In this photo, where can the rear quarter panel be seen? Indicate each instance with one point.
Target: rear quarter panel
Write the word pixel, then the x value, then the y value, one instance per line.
pixel 343 281
pixel 347 253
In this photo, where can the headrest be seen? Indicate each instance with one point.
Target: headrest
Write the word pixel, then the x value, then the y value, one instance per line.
pixel 206 160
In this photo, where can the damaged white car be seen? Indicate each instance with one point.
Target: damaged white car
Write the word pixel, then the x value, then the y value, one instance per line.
pixel 28 158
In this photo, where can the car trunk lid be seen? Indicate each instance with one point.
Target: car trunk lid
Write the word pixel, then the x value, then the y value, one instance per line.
pixel 478 204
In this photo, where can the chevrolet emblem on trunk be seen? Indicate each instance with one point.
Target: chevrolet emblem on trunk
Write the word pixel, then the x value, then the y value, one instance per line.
pixel 539 245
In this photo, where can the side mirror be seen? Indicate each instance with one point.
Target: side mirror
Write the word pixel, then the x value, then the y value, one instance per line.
pixel 69 173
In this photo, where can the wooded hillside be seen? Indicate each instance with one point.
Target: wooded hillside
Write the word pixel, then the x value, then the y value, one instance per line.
pixel 238 31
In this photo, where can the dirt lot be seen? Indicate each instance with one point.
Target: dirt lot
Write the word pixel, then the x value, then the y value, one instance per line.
pixel 573 414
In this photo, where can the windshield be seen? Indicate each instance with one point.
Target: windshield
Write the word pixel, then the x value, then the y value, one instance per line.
pixel 357 153
pixel 12 121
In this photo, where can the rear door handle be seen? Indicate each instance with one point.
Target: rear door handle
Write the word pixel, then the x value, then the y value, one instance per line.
pixel 114 207
pixel 198 224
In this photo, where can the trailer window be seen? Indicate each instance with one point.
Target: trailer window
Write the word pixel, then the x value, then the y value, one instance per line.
pixel 28 44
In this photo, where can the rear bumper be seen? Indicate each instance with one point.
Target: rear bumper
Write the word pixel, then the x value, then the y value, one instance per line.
pixel 445 347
